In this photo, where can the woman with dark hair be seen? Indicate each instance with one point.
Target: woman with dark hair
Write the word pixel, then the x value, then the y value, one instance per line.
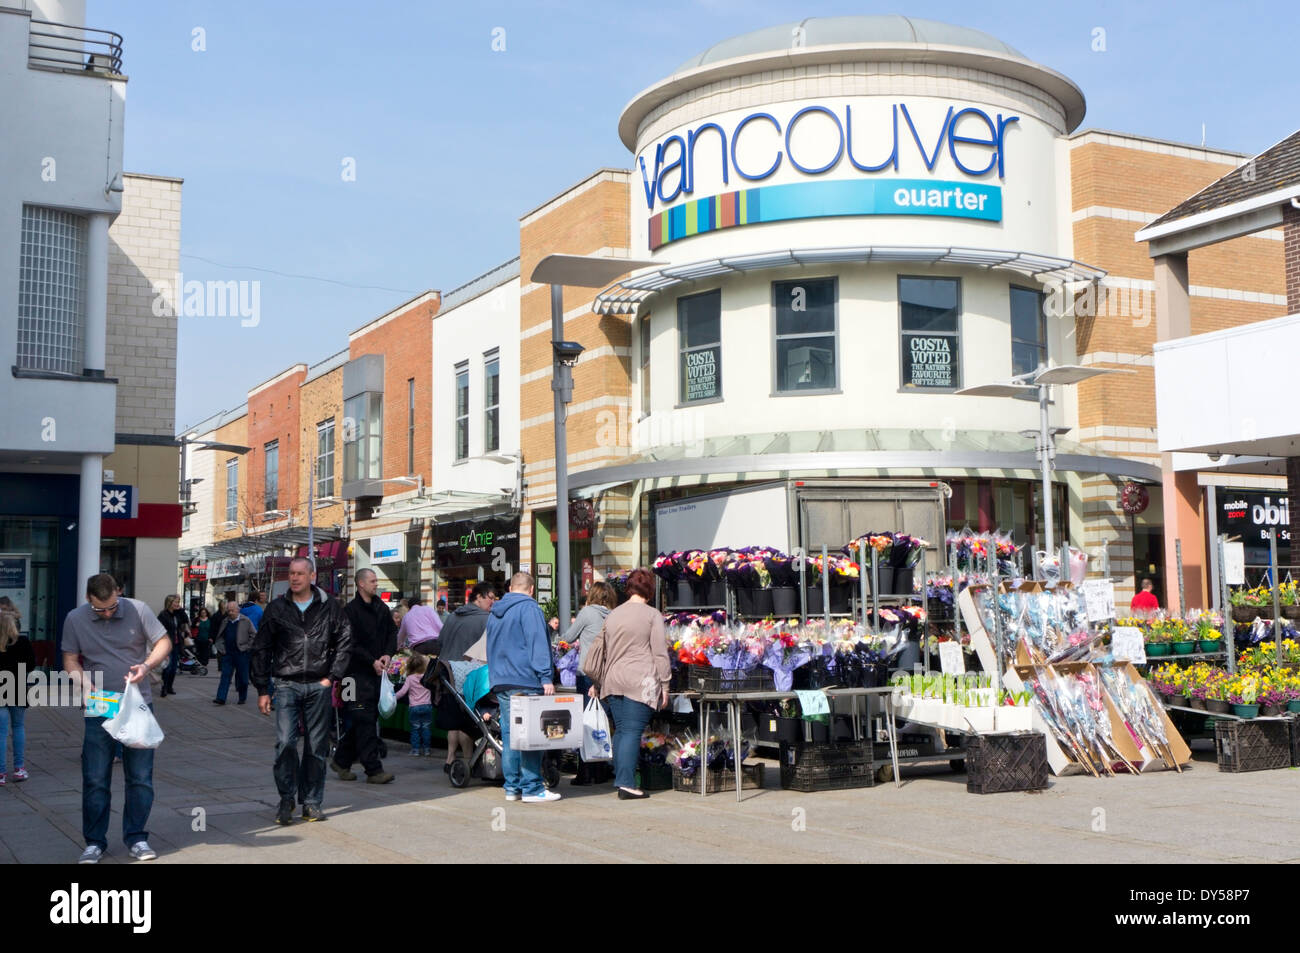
pixel 601 598
pixel 629 668
pixel 168 619
pixel 203 636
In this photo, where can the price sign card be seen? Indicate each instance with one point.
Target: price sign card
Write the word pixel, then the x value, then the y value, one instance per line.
pixel 951 660
pixel 1099 599
pixel 1126 645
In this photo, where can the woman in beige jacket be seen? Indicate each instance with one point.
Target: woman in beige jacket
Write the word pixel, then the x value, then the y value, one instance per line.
pixel 628 666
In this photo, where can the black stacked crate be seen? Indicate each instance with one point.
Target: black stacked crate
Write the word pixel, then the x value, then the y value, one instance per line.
pixel 826 767
pixel 1016 761
pixel 1259 745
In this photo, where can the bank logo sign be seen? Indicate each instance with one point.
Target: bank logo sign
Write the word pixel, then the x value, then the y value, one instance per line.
pixel 975 141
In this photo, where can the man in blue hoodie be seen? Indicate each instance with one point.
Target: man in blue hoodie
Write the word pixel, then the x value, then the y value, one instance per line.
pixel 519 658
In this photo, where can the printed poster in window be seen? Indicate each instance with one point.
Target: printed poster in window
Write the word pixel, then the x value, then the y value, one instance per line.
pixel 930 361
pixel 700 369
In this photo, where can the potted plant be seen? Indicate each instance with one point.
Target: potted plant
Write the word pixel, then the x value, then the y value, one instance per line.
pixel 1242 693
pixel 1208 637
pixel 1156 641
pixel 1180 637
pixel 1292 688
pixel 1216 697
pixel 1247 603
pixel 1273 697
pixel 789 726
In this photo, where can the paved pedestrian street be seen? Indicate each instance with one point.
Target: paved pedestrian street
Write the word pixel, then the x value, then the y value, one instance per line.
pixel 215 800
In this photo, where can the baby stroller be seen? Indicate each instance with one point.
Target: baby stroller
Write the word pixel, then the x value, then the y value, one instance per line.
pixel 189 663
pixel 466 684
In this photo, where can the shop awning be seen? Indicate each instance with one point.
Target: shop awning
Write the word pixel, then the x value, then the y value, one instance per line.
pixel 827 452
pixel 625 295
pixel 444 505
pixel 289 537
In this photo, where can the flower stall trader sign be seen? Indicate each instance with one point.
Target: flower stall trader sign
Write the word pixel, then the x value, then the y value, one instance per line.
pixel 493 544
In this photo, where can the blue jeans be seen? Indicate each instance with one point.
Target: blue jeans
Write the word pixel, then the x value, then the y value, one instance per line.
pixel 173 663
pixel 421 723
pixel 523 769
pixel 303 779
pixel 630 718
pixel 96 787
pixel 236 664
pixel 13 715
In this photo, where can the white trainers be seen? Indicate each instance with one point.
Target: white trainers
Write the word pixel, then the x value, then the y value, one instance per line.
pixel 512 795
pixel 141 850
pixel 91 855
pixel 541 798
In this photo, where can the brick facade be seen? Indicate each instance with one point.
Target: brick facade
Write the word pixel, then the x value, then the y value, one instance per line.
pixel 405 338
pixel 591 218
pixel 1118 184
pixel 273 415
pixel 319 400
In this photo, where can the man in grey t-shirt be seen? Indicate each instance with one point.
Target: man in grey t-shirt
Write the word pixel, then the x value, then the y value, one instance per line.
pixel 122 640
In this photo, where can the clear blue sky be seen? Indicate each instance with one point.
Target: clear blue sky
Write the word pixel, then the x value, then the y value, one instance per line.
pixel 453 141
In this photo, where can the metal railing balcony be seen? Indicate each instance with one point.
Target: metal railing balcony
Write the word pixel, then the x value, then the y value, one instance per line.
pixel 62 46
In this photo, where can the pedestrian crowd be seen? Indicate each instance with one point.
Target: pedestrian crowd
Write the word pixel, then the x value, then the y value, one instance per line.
pixel 308 656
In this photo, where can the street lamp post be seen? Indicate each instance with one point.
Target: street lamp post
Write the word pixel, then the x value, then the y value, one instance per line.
pixel 1040 380
pixel 581 271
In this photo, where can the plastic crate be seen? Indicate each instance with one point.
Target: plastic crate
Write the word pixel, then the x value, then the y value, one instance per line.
pixel 680 679
pixel 997 763
pixel 724 780
pixel 1253 745
pixel 1294 721
pixel 655 777
pixel 704 678
pixel 811 768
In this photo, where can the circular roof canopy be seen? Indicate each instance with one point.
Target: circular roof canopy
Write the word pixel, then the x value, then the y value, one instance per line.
pixel 827 40
pixel 821 31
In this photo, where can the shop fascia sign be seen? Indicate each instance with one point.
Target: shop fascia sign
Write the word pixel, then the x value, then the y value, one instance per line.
pixel 1260 512
pixel 982 138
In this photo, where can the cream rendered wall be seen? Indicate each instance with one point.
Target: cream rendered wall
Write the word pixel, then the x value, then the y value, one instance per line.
pixel 466 333
pixel 868 356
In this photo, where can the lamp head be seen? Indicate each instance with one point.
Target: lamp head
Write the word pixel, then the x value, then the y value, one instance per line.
pixel 567 352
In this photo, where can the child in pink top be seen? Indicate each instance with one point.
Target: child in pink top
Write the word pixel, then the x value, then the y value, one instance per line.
pixel 421 702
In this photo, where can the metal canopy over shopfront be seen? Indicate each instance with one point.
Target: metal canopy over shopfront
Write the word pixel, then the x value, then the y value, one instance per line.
pixel 842 451
pixel 286 538
pixel 625 295
pixel 443 505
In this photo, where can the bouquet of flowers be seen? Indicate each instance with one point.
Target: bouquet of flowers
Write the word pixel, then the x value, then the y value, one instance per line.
pixel 783 655
pixel 565 657
pixel 669 567
pixel 718 562
pixel 655 746
pixel 618 580
pixel 882 543
pixel 696 565
pixel 906 551
pixel 782 569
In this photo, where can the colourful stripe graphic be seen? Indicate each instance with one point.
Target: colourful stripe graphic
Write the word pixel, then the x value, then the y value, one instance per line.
pixel 781 203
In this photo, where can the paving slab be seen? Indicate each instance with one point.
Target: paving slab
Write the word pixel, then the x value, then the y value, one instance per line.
pixel 215 801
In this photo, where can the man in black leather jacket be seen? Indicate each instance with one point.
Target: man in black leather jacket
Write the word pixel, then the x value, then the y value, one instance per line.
pixel 374 640
pixel 304 641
